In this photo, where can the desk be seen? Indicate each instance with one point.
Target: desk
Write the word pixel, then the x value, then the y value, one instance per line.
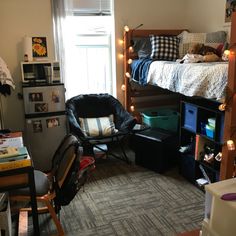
pixel 19 178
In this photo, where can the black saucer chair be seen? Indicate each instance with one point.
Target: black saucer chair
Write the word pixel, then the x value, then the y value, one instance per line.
pixel 99 119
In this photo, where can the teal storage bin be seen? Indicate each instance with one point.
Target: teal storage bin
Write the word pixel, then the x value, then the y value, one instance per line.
pixel 166 119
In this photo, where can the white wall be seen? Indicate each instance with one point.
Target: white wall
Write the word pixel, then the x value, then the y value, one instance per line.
pixel 17 19
pixel 33 18
pixel 205 15
pixel 153 14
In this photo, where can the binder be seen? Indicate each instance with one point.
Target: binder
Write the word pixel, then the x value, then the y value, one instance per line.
pixel 15 164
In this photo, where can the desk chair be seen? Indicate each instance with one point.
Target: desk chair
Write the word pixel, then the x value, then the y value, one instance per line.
pixel 66 156
pixel 98 119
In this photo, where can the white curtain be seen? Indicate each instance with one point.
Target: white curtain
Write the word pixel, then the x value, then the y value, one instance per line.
pixel 63 8
pixel 60 10
pixel 70 25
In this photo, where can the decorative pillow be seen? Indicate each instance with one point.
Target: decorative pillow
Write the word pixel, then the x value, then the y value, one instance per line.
pixel 164 47
pixel 100 126
pixel 142 46
pixel 212 39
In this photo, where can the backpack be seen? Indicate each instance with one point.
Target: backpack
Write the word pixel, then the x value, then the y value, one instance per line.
pixel 76 176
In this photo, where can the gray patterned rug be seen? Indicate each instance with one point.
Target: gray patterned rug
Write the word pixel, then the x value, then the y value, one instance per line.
pixel 122 199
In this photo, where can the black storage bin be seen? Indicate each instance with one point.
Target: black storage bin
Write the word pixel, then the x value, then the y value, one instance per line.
pixel 155 149
pixel 189 168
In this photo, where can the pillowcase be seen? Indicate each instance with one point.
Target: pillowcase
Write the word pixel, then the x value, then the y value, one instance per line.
pixel 164 47
pixel 100 126
pixel 142 46
pixel 213 39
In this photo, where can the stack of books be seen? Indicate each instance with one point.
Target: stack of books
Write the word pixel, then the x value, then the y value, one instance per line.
pixel 13 158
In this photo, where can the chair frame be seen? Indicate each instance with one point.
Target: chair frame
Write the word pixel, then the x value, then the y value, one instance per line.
pixel 89 142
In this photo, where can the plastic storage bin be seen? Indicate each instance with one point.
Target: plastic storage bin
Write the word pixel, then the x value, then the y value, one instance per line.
pixel 166 119
pixel 190 117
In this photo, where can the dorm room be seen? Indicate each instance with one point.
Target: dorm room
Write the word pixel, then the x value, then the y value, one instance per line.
pixel 124 198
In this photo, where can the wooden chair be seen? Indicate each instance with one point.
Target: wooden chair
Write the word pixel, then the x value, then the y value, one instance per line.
pixel 66 155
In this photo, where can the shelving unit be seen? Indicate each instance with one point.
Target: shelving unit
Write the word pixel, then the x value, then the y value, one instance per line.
pixel 197 144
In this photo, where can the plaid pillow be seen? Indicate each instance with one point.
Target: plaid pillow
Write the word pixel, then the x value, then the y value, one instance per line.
pixel 164 47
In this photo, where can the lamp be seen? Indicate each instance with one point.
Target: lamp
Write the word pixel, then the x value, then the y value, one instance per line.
pixel 6 82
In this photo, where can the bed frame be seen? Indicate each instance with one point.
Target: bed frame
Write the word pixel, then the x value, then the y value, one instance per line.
pixel 138 97
pixel 227 169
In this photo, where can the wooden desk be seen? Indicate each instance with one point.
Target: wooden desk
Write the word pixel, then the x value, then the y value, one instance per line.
pixel 19 178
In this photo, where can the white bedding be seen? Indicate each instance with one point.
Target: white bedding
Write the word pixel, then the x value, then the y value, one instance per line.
pixel 207 80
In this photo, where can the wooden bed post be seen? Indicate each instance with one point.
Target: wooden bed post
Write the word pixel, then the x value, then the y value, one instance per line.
pixel 126 44
pixel 227 163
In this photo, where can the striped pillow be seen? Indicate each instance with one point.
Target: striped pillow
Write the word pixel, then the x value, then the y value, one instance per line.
pixel 100 126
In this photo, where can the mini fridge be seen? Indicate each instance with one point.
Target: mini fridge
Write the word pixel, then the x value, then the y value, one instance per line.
pixel 45 122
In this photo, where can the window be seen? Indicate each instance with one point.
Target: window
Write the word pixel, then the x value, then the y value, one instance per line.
pixel 88 50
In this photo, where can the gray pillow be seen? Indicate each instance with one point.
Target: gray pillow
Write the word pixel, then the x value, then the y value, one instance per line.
pixel 216 37
pixel 142 46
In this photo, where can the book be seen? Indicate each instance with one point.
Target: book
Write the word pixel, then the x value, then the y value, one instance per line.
pixel 13 139
pixel 9 152
pixel 14 158
pixel 15 164
pixel 199 146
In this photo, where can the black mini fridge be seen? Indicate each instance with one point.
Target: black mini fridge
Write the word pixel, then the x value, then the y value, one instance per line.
pixel 45 122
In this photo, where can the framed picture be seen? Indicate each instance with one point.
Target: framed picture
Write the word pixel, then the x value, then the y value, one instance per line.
pixel 37 126
pixel 39 47
pixel 230 6
pixel 53 122
pixel 41 107
pixel 35 97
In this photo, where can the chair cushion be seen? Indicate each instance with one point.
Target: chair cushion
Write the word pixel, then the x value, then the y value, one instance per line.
pixel 99 126
pixel 41 185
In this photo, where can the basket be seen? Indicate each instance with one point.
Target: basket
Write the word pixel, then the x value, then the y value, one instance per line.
pixel 162 118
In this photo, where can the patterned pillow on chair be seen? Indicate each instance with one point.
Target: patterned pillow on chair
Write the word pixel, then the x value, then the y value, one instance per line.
pixel 98 126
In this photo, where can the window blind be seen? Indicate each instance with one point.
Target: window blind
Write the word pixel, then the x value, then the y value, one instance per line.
pixel 91 7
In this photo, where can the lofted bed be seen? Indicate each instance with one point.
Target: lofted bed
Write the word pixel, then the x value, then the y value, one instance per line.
pixel 156 82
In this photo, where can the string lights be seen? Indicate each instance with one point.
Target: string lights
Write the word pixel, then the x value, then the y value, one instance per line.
pixel 128 55
pixel 230 95
pixel 127 74
pixel 123 87
pixel 230 145
pixel 132 108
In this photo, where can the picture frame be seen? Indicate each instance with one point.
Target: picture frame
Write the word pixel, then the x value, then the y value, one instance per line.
pixel 53 122
pixel 39 47
pixel 37 126
pixel 230 7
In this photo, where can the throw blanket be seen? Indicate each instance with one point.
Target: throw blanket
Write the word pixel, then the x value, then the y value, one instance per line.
pixel 140 70
pixel 206 80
